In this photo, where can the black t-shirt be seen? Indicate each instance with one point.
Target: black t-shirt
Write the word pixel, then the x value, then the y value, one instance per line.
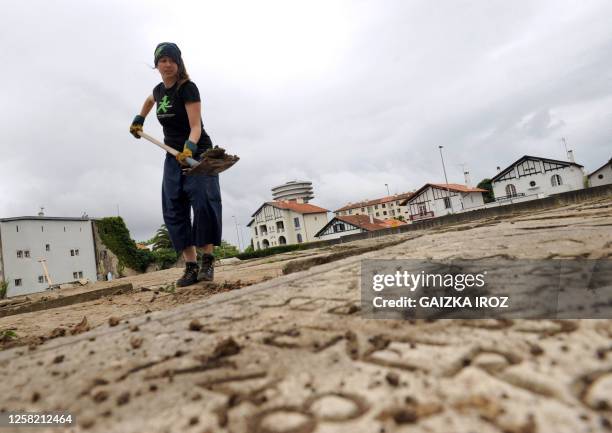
pixel 172 114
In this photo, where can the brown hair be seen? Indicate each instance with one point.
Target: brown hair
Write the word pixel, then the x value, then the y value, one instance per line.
pixel 183 76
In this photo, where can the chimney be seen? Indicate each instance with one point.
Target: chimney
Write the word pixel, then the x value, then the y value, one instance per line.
pixel 570 155
pixel 498 169
pixel 466 175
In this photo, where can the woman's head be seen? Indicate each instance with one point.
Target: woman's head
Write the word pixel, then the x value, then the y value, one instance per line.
pixel 169 63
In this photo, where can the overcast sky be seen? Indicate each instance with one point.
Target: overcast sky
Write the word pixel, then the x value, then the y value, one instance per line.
pixel 347 94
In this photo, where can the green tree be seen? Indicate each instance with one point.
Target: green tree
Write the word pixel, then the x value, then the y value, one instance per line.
pixel 487 196
pixel 225 250
pixel 161 240
pixel 3 288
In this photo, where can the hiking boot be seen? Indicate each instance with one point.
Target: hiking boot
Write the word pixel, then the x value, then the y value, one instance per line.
pixel 190 276
pixel 207 268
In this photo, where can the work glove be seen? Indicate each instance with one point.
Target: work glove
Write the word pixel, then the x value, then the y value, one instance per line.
pixel 136 126
pixel 188 150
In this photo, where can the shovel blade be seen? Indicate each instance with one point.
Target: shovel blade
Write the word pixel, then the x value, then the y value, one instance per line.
pixel 211 166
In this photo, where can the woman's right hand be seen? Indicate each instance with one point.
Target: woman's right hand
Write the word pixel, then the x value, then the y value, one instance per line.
pixel 136 126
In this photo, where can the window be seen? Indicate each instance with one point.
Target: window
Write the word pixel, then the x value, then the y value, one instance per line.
pixel 42 228
pixel 362 209
pixel 447 202
pixel 19 254
pixel 26 254
pixel 72 252
pixel 422 209
pixel 377 213
pixel 255 231
pixel 48 247
pixel 393 212
pixel 80 274
pixel 385 212
pixel 299 238
pixel 76 252
pixel 350 211
pixel 42 279
pixel 510 190
pixel 600 176
pixel 384 206
pixel 556 180
pixel 532 183
pixel 75 275
pixel 375 206
pixel 296 222
pixel 17 227
pixel 18 282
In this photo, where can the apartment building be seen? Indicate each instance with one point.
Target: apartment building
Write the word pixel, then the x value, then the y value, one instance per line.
pixel 37 251
pixel 385 208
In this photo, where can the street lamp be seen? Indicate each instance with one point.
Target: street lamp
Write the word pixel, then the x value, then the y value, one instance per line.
pixel 446 179
pixel 387 185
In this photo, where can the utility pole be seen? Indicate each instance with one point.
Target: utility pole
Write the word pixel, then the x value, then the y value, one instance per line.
pixel 446 180
pixel 237 234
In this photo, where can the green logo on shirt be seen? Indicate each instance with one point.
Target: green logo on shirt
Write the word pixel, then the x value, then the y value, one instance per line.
pixel 164 104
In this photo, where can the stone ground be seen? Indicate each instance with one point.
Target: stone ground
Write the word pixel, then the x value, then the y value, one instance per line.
pixel 155 291
pixel 292 354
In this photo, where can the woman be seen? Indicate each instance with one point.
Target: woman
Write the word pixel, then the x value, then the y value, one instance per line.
pixel 179 111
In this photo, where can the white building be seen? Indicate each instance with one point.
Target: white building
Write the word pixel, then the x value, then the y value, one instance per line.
pixel 346 225
pixel 285 223
pixel 385 208
pixel 532 177
pixel 601 176
pixel 437 199
pixel 65 246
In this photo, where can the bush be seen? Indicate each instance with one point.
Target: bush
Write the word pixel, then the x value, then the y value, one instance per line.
pixel 165 257
pixel 116 236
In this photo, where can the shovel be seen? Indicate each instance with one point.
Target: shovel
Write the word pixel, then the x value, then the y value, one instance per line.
pixel 207 165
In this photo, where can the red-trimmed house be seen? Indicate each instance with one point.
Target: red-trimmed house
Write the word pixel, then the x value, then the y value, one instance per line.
pixel 346 225
pixel 285 223
pixel 438 199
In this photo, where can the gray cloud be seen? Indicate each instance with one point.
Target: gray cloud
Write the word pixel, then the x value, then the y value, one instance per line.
pixel 350 95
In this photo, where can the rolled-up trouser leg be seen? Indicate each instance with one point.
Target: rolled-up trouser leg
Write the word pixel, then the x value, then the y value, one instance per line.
pixel 205 198
pixel 175 205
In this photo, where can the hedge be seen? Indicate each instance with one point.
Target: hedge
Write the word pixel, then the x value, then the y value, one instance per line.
pixel 273 250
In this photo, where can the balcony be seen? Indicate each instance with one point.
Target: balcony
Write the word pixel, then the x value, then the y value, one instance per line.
pixel 422 216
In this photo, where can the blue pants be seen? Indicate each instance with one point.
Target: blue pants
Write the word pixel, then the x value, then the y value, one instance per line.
pixel 181 193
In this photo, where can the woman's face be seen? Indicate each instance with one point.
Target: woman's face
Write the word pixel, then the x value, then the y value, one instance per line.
pixel 166 67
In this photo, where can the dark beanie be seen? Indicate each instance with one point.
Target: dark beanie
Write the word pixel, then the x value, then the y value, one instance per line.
pixel 168 49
